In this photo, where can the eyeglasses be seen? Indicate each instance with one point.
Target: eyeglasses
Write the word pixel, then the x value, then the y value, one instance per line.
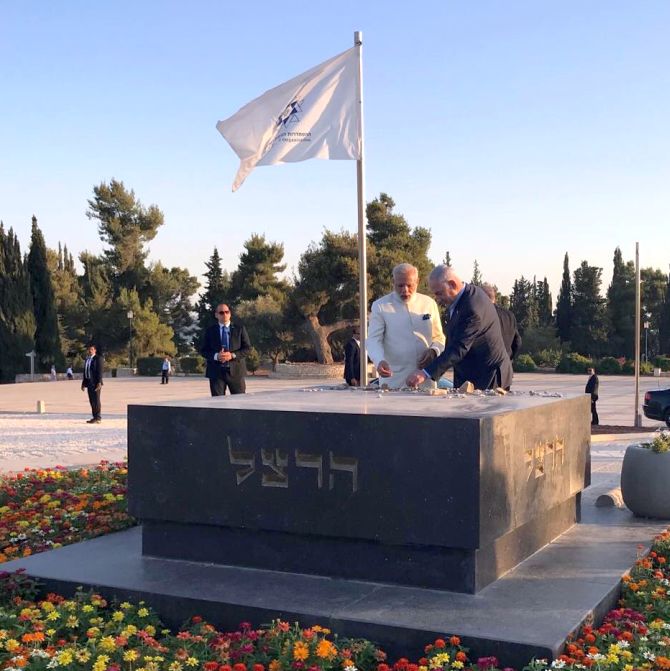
pixel 223 312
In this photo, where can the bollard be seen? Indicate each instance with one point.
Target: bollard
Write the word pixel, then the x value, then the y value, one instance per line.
pixel 41 407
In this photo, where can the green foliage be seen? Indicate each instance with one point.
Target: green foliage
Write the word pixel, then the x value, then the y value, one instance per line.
pixel 608 365
pixel 192 364
pixel 126 226
pixel 524 363
pixel 540 338
pixel 589 324
pixel 257 273
pixel 564 304
pixel 217 289
pixel 628 368
pixel 17 321
pixel 660 443
pixel 268 326
pixel 391 241
pixel 574 363
pixel 149 365
pixel 662 362
pixel 47 337
pixel 548 358
pixel 544 303
pixel 523 304
pixel 476 274
pixel 252 360
pixel 646 368
pixel 621 307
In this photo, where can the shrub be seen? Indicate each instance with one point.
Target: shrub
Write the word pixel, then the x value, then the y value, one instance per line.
pixel 548 357
pixel 524 363
pixel 661 442
pixel 646 368
pixel 253 360
pixel 608 365
pixel 149 365
pixel 573 363
pixel 662 362
pixel 192 364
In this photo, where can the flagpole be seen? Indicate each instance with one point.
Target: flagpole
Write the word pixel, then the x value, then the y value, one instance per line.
pixel 362 254
pixel 637 416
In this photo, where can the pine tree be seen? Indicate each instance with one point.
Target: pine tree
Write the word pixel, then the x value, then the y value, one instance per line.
pixel 564 304
pixel 589 320
pixel 621 308
pixel 664 321
pixel 47 338
pixel 544 303
pixel 17 321
pixel 217 290
pixel 523 304
pixel 447 259
pixel 257 272
pixel 476 274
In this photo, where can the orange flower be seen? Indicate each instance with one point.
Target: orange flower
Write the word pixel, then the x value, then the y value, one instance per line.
pixel 439 643
pixel 461 656
pixel 454 640
pixel 325 649
pixel 300 651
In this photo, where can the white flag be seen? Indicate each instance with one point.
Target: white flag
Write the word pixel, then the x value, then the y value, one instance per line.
pixel 314 115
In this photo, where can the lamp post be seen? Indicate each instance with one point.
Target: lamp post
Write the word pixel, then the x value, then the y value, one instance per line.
pixel 646 332
pixel 130 315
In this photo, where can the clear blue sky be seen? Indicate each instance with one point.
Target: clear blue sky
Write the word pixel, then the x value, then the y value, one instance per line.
pixel 515 131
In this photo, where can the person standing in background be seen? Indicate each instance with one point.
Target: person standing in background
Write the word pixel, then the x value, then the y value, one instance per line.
pixel 592 388
pixel 92 382
pixel 166 370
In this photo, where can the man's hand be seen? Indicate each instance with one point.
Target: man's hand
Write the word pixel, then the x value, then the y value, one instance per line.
pixel 427 358
pixel 384 369
pixel 354 382
pixel 225 356
pixel 415 379
pixel 83 386
pixel 98 387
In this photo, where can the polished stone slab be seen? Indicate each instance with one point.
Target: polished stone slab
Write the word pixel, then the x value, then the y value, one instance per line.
pixel 433 491
pixel 528 612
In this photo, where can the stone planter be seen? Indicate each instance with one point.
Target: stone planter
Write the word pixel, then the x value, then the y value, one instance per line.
pixel 645 482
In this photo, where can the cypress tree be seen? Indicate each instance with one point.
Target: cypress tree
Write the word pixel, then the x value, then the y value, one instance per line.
pixel 621 307
pixel 217 289
pixel 589 321
pixel 47 338
pixel 564 304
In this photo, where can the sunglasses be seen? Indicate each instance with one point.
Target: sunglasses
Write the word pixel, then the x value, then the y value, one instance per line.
pixel 223 312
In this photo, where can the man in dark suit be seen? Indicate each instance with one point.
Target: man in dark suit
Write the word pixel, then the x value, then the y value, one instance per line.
pixel 508 325
pixel 592 389
pixel 475 347
pixel 92 381
pixel 224 346
pixel 352 358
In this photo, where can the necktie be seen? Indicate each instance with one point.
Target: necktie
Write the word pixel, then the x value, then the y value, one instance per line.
pixel 224 338
pixel 87 373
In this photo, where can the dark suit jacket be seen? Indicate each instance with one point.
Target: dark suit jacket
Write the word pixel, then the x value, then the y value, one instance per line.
pixel 239 346
pixel 352 361
pixel 475 348
pixel 95 372
pixel 592 387
pixel 510 331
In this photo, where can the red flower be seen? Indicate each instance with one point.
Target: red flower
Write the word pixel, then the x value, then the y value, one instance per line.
pixel 239 667
pixel 439 643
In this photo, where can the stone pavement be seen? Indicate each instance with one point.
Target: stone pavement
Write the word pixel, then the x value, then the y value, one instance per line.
pixel 61 435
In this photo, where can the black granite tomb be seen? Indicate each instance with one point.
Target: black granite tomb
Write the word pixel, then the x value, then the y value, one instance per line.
pixel 437 492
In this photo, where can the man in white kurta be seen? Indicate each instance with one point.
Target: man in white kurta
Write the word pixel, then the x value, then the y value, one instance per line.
pixel 405 330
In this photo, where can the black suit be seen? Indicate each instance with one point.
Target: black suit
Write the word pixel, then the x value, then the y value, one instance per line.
pixel 592 389
pixel 92 382
pixel 475 348
pixel 510 331
pixel 352 361
pixel 232 373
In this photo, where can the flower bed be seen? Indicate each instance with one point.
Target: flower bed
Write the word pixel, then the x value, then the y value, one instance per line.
pixel 51 508
pixel 44 509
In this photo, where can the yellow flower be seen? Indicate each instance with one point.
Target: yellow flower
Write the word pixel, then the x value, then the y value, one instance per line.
pixel 101 663
pixel 50 632
pixel 12 644
pixel 325 649
pixel 143 612
pixel 47 606
pixel 457 665
pixel 130 655
pixel 64 657
pixel 117 616
pixel 300 651
pixel 3 634
pixel 126 606
pixel 150 629
pixel 53 616
pixel 82 655
pixel 69 605
pixel 72 622
pixel 628 667
pixel 107 644
pixel 612 658
pixel 88 608
pixel 441 659
pixel 192 661
pixel 175 666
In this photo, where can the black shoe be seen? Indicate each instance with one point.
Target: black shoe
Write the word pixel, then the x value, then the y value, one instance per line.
pixel 91 421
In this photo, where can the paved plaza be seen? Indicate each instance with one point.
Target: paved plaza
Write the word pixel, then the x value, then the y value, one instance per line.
pixel 61 435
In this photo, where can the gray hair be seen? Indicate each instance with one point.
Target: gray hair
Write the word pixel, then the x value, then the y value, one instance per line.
pixel 490 291
pixel 443 273
pixel 405 269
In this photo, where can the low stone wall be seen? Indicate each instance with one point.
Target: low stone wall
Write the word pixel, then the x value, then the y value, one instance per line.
pixel 296 371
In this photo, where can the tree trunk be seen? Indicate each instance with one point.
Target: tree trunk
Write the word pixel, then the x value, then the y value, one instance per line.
pixel 319 335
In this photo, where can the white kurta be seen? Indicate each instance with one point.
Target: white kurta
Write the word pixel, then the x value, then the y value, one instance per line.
pixel 400 332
